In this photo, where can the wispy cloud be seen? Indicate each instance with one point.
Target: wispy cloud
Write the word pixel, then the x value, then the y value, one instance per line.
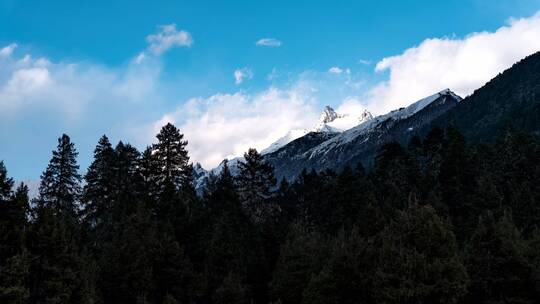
pixel 167 37
pixel 364 61
pixel 268 42
pixel 8 50
pixel 335 70
pixel 241 74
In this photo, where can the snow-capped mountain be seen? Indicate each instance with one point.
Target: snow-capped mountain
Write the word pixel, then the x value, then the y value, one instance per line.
pixel 290 136
pixel 360 143
pixel 329 122
pixel 339 140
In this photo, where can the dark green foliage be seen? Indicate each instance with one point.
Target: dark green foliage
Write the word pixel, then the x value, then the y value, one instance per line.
pixel 300 258
pixel 419 260
pixel 347 275
pixel 171 156
pixel 256 183
pixel 438 221
pixel 60 182
pixel 14 257
pixel 497 263
pixel 512 98
pixel 98 190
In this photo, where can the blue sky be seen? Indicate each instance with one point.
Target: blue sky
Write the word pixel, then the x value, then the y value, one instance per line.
pixel 92 67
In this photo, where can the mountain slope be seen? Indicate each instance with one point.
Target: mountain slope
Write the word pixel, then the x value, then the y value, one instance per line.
pixel 510 99
pixel 360 143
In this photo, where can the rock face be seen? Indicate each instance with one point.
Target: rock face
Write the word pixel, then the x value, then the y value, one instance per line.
pixel 322 150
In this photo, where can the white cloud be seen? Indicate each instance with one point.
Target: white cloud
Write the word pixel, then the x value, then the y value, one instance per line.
pixel 462 65
pixel 167 37
pixel 226 125
pixel 272 75
pixel 352 106
pixel 364 61
pixel 338 71
pixel 8 50
pixel 241 74
pixel 30 85
pixel 269 42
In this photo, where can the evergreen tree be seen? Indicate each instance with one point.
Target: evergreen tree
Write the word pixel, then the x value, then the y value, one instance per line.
pixel 300 258
pixel 230 243
pixel 126 182
pixel 127 266
pixel 347 274
pixel 98 191
pixel 256 183
pixel 59 187
pixel 396 176
pixel 419 261
pixel 497 264
pixel 149 171
pixel 172 157
pixel 6 183
pixel 457 183
pixel 14 258
pixel 57 265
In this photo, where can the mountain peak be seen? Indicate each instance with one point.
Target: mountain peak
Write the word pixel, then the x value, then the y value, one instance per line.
pixel 365 116
pixel 328 115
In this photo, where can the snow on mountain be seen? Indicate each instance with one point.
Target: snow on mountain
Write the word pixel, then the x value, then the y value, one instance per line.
pixel 359 144
pixel 398 114
pixel 339 129
pixel 290 136
pixel 330 122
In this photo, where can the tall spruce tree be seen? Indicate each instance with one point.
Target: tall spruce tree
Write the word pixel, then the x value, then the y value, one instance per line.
pixel 256 183
pixel 14 258
pixel 60 182
pixel 497 263
pixel 98 190
pixel 419 261
pixel 57 267
pixel 172 157
pixel 230 257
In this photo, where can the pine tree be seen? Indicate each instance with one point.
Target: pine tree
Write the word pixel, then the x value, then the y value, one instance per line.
pixel 172 157
pixel 497 264
pixel 98 191
pixel 229 244
pixel 149 171
pixel 419 261
pixel 127 181
pixel 60 186
pixel 256 183
pixel 457 183
pixel 57 275
pixel 6 183
pixel 127 263
pixel 396 176
pixel 14 258
pixel 301 257
pixel 346 276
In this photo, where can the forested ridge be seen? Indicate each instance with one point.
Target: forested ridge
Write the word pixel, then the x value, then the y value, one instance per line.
pixel 436 221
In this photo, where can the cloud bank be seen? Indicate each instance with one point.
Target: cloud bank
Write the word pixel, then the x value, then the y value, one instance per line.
pixel 461 64
pixel 226 125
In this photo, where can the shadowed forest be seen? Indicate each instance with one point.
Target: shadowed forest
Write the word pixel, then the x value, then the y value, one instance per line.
pixel 436 221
